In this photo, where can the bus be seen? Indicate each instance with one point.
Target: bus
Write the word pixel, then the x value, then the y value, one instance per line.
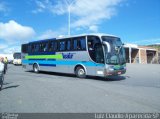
pixel 17 58
pixel 91 54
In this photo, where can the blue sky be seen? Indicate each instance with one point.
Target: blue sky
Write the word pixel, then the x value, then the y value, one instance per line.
pixel 21 21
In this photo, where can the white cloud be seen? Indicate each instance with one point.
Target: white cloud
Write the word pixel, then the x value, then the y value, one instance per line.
pixel 93 28
pixel 41 7
pixel 58 7
pixel 2 46
pixel 12 32
pixel 51 34
pixel 92 12
pixel 47 34
pixel 11 50
pixel 84 13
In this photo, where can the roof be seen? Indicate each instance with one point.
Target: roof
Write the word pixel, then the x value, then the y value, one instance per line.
pixel 131 45
pixel 147 48
pixel 95 34
pixel 91 34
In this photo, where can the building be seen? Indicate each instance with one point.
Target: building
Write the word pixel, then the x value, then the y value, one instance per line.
pixel 140 54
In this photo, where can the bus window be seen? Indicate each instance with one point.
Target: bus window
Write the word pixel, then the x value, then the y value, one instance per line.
pixel 40 47
pixel 62 46
pixel 32 47
pixel 92 41
pixel 44 47
pixel 50 48
pixel 82 43
pixel 79 43
pixel 24 48
pixel 68 44
pixel 55 46
pixel 36 48
pixel 29 48
pixel 75 44
pixel 99 56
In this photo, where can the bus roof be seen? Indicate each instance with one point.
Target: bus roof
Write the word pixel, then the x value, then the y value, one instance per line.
pixel 92 34
pixel 17 53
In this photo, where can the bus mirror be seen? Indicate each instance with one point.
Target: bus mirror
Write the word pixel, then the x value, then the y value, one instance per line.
pixel 107 45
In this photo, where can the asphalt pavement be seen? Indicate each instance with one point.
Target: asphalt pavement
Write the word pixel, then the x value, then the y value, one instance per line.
pixel 136 91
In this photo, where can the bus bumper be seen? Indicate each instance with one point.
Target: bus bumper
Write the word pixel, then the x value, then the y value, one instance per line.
pixel 115 72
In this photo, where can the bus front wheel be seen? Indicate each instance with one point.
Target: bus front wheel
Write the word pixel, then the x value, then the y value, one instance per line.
pixel 80 72
pixel 35 68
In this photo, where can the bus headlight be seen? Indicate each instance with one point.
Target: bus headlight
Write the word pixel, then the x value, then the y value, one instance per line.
pixel 110 69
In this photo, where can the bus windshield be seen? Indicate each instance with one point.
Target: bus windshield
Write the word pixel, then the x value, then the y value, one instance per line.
pixel 17 55
pixel 117 54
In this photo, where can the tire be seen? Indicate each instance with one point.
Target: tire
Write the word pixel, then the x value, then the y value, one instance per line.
pixel 80 72
pixel 35 68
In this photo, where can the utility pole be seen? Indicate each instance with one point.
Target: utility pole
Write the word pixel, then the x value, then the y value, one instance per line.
pixel 69 4
pixel 69 20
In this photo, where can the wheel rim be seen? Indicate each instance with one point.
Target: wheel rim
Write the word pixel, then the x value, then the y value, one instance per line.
pixel 81 72
pixel 36 68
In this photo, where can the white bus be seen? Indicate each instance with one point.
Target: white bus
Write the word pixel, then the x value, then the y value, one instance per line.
pixel 17 58
pixel 96 55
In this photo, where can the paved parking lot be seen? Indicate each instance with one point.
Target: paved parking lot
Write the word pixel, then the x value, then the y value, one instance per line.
pixel 136 91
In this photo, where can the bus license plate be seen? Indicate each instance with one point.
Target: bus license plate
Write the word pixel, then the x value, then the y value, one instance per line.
pixel 119 72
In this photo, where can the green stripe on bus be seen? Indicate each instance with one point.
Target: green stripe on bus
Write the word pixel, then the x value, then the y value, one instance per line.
pixel 58 56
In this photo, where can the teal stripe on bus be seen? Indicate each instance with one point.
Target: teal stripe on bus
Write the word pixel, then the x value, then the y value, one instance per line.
pixel 61 62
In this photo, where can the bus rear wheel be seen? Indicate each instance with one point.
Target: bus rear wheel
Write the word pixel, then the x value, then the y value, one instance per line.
pixel 35 68
pixel 80 72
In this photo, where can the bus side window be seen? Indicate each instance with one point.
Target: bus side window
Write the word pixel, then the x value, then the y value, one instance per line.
pixel 82 43
pixel 50 48
pixel 36 47
pixel 55 46
pixel 75 44
pixel 32 47
pixel 99 56
pixel 62 45
pixel 25 48
pixel 92 41
pixel 79 44
pixel 45 46
pixel 29 48
pixel 90 45
pixel 68 44
pixel 40 47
